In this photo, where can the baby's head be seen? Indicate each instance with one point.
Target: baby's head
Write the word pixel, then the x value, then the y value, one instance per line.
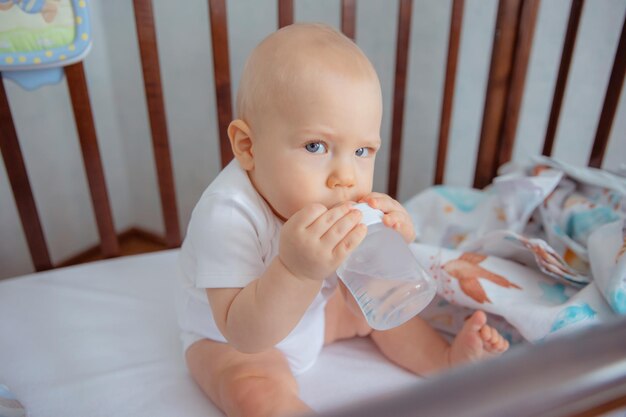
pixel 309 112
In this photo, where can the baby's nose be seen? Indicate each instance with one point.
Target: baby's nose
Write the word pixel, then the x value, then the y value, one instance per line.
pixel 342 176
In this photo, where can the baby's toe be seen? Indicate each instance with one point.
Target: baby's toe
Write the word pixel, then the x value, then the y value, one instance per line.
pixel 501 346
pixel 496 337
pixel 489 335
pixel 497 344
pixel 485 333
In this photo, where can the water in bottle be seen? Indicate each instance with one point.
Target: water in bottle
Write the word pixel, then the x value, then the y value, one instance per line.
pixel 383 275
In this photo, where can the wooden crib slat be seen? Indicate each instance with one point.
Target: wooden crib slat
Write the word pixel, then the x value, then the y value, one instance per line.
pixel 22 192
pixel 348 18
pixel 285 13
pixel 526 30
pixel 611 101
pixel 83 117
pixel 497 90
pixel 146 35
pixel 402 48
pixel 561 81
pixel 221 69
pixel 454 40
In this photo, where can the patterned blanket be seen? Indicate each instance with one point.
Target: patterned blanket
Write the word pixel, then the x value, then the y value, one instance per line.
pixel 541 249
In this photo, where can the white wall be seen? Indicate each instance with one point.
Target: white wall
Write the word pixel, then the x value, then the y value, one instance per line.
pixel 49 142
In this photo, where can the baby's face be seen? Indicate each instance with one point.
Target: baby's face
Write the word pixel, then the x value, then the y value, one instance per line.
pixel 319 145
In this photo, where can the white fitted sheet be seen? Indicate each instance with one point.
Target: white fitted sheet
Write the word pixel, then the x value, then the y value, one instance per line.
pixel 101 339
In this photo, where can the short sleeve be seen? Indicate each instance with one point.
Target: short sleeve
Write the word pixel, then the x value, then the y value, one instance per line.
pixel 225 235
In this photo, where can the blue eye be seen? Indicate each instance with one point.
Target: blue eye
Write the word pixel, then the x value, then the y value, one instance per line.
pixel 315 147
pixel 362 152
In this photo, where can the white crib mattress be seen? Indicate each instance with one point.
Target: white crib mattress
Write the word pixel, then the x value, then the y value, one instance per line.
pixel 101 339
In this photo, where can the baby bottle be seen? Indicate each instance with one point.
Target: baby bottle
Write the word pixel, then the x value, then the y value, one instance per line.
pixel 383 275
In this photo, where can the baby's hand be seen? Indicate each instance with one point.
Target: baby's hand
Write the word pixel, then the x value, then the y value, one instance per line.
pixel 395 216
pixel 316 240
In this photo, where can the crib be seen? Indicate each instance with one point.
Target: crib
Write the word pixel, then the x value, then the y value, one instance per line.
pixel 93 331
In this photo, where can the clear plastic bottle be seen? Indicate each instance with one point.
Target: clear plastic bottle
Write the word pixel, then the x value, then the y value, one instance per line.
pixel 383 275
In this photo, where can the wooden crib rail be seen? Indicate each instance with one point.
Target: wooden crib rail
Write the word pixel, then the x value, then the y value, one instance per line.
pixel 512 45
pixel 146 34
pixel 221 68
pixel 561 81
pixel 399 88
pixel 509 59
pixel 611 100
pixel 22 192
pixel 285 13
pixel 83 117
pixel 348 16
pixel 454 41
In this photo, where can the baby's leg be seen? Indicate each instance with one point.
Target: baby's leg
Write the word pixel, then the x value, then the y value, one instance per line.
pixel 343 319
pixel 245 384
pixel 416 346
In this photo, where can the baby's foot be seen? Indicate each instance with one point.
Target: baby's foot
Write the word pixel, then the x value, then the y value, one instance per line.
pixel 476 341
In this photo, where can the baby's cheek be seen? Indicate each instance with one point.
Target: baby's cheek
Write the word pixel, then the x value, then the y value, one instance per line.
pixel 295 205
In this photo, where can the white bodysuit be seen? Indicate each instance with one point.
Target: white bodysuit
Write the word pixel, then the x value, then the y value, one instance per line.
pixel 231 239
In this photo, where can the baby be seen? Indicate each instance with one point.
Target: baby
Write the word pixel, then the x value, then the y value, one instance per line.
pixel 260 294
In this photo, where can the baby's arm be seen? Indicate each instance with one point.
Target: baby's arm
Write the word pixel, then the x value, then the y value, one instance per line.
pixel 258 316
pixel 313 242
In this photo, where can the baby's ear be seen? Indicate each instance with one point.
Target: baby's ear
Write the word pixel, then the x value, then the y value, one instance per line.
pixel 241 143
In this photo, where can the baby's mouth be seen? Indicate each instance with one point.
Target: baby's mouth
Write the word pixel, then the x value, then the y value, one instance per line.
pixel 342 201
